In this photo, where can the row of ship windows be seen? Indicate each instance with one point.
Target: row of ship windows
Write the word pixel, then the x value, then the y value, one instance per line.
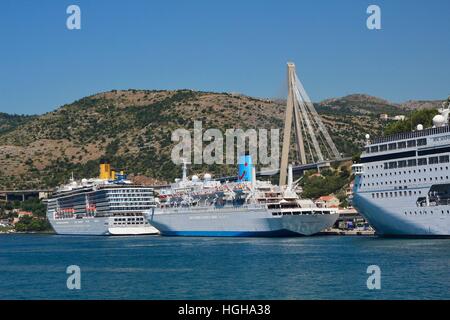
pixel 133 195
pixel 393 194
pixel 82 203
pixel 397 145
pixel 130 208
pixel 129 219
pixel 132 204
pixel 414 162
pixel 131 191
pixel 128 223
pixel 132 199
pixel 376 175
pixel 424 212
pixel 404 181
pixel 296 213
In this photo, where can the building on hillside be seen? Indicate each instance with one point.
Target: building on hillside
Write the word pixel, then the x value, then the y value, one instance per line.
pixel 43 195
pixel 385 117
pixel 21 214
pixel 327 202
pixel 4 223
pixel 316 174
pixel 349 190
pixel 399 118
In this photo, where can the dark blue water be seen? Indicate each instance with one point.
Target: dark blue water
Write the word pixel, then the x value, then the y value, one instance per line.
pixel 34 267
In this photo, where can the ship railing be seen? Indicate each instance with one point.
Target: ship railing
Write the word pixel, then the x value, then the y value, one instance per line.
pixel 213 208
pixel 413 134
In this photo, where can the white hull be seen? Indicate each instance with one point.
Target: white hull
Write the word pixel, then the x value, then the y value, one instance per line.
pixel 133 231
pixel 98 226
pixel 100 207
pixel 237 222
pixel 403 217
pixel 402 183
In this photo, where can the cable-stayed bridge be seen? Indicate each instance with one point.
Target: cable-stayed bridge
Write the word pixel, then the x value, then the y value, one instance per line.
pixel 314 147
pixel 313 143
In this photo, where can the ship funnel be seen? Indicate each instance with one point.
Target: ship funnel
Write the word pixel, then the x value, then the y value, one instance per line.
pixel 105 171
pixel 245 167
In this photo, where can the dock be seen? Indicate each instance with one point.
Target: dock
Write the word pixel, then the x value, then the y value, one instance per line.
pixel 353 232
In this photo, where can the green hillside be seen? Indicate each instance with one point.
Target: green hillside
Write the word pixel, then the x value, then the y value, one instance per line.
pixel 9 122
pixel 132 128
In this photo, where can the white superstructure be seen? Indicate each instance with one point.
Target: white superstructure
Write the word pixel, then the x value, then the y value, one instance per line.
pixel 236 209
pixel 101 207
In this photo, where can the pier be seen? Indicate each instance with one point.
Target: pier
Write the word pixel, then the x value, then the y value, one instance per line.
pixel 354 232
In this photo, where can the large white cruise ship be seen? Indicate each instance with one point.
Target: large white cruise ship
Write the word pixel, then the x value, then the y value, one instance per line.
pixel 402 182
pixel 237 209
pixel 108 205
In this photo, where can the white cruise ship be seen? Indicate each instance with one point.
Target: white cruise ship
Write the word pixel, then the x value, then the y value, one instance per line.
pixel 402 182
pixel 109 205
pixel 237 209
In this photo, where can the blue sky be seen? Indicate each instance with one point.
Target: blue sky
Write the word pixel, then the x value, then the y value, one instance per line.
pixel 234 46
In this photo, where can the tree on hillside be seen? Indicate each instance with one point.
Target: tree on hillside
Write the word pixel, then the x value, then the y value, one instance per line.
pixel 28 223
pixel 422 116
pixel 327 183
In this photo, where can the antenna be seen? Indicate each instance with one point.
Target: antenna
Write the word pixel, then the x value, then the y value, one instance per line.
pixel 253 177
pixel 185 163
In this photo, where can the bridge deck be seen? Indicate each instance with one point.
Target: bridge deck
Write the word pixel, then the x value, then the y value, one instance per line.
pixel 298 168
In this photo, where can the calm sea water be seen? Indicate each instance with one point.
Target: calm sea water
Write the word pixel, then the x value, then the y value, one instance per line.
pixel 152 267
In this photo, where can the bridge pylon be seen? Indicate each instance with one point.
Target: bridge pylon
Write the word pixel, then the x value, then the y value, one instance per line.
pixel 309 128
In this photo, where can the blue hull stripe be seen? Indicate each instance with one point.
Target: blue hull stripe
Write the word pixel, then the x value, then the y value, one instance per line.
pixel 278 233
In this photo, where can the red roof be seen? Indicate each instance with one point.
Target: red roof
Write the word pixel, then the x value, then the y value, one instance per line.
pixel 328 198
pixel 24 213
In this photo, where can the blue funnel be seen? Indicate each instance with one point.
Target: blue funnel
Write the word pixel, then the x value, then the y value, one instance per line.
pixel 245 167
